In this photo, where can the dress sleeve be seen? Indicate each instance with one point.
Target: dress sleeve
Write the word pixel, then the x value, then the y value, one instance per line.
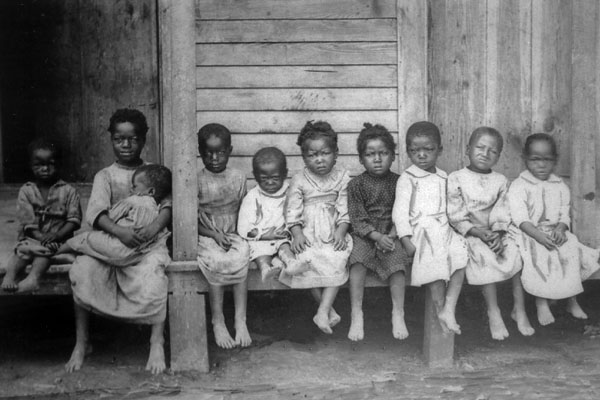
pixel 25 213
pixel 99 199
pixel 500 215
pixel 119 210
pixel 167 202
pixel 565 205
pixel 401 209
pixel 341 203
pixel 458 214
pixel 294 203
pixel 73 205
pixel 359 218
pixel 250 212
pixel 517 203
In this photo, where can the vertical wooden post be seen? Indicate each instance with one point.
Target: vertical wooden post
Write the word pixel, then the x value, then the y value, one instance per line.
pixel 177 32
pixel 438 347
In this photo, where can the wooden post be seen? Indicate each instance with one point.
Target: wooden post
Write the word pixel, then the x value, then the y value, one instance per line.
pixel 438 347
pixel 177 32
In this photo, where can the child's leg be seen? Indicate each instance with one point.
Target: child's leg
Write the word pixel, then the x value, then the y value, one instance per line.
pixel 397 288
pixel 13 267
pixel 39 265
pixel 222 336
pixel 292 265
pixel 544 314
pixel 518 314
pixel 64 248
pixel 266 267
pixel 574 309
pixel 448 314
pixel 240 297
pixel 497 327
pixel 156 358
pixel 358 273
pixel 334 317
pixel 321 319
pixel 82 347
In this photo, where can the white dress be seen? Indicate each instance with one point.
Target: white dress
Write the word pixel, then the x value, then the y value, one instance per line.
pixel 420 212
pixel 550 274
pixel 478 200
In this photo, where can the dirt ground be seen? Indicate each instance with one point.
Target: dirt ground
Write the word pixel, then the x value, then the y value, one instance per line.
pixel 290 358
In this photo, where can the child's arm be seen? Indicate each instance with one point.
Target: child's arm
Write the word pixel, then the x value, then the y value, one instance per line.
pixel 343 218
pixel 401 213
pixel 162 220
pixel 299 241
pixel 517 202
pixel 72 222
pixel 129 237
pixel 558 234
pixel 542 238
pixel 205 229
pixel 294 210
pixel 28 222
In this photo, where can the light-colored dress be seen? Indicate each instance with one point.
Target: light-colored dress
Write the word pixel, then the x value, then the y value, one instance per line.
pixel 136 293
pixel 478 200
pixel 133 211
pixel 550 274
pixel 319 204
pixel 420 212
pixel 219 199
pixel 262 211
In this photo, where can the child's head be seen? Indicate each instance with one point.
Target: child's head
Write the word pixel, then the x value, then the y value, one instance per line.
pixel 153 180
pixel 128 128
pixel 540 155
pixel 318 143
pixel 484 148
pixel 424 145
pixel 44 159
pixel 214 145
pixel 270 169
pixel 376 149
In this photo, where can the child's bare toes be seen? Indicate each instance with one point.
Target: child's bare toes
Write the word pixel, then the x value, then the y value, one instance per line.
pixel 77 356
pixel 9 285
pixel 523 324
pixel 448 322
pixel 222 336
pixel 399 329
pixel 357 331
pixel 322 321
pixel 334 318
pixel 242 336
pixel 497 327
pixel 156 360
pixel 29 284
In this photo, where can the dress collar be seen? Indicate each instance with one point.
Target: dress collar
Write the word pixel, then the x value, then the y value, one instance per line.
pixel 56 184
pixel 277 195
pixel 421 173
pixel 528 176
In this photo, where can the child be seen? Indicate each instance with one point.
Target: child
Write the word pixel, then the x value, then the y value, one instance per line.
pixel 137 293
pixel 317 216
pixel 554 262
pixel 151 184
pixel 223 256
pixel 261 219
pixel 478 210
pixel 440 255
pixel 49 212
pixel 376 246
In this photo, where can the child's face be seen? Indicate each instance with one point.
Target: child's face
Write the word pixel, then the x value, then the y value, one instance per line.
pixel 127 146
pixel 483 154
pixel 140 185
pixel 540 161
pixel 215 155
pixel 270 177
pixel 43 165
pixel 423 151
pixel 319 157
pixel 377 158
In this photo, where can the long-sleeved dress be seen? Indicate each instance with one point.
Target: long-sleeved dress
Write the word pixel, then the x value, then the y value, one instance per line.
pixel 319 204
pixel 551 274
pixel 262 211
pixel 420 212
pixel 219 199
pixel 478 200
pixel 137 293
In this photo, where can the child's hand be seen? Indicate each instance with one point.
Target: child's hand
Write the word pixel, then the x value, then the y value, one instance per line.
pixel 129 237
pixel 222 240
pixel 545 240
pixel 52 246
pixel 484 234
pixel 253 233
pixel 558 235
pixel 409 247
pixel 145 232
pixel 496 245
pixel 386 243
pixel 48 238
pixel 299 243
pixel 339 241
pixel 273 234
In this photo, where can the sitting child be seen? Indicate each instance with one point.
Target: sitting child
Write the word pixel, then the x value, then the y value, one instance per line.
pixel 151 184
pixel 478 210
pixel 49 212
pixel 554 261
pixel 261 219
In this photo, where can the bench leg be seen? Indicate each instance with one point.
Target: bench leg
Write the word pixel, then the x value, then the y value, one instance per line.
pixel 187 326
pixel 438 347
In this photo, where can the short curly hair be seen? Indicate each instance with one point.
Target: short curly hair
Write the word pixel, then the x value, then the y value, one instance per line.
pixel 423 128
pixel 158 177
pixel 210 130
pixel 370 132
pixel 540 137
pixel 486 130
pixel 317 130
pixel 133 116
pixel 267 155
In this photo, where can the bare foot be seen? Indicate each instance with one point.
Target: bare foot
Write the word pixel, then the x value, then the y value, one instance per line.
pixel 296 267
pixel 76 361
pixel 29 284
pixel 544 314
pixel 356 331
pixel 399 329
pixel 322 321
pixel 497 327
pixel 448 321
pixel 242 336
pixel 575 309
pixel 9 283
pixel 520 317
pixel 267 273
pixel 222 336
pixel 334 318
pixel 156 359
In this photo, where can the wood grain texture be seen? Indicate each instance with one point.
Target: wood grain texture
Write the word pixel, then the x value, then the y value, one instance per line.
pixel 438 347
pixel 340 53
pixel 187 327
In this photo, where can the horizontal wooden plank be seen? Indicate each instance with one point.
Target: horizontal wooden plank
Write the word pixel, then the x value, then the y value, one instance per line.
pixel 314 76
pixel 309 30
pixel 293 121
pixel 294 9
pixel 351 53
pixel 296 99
